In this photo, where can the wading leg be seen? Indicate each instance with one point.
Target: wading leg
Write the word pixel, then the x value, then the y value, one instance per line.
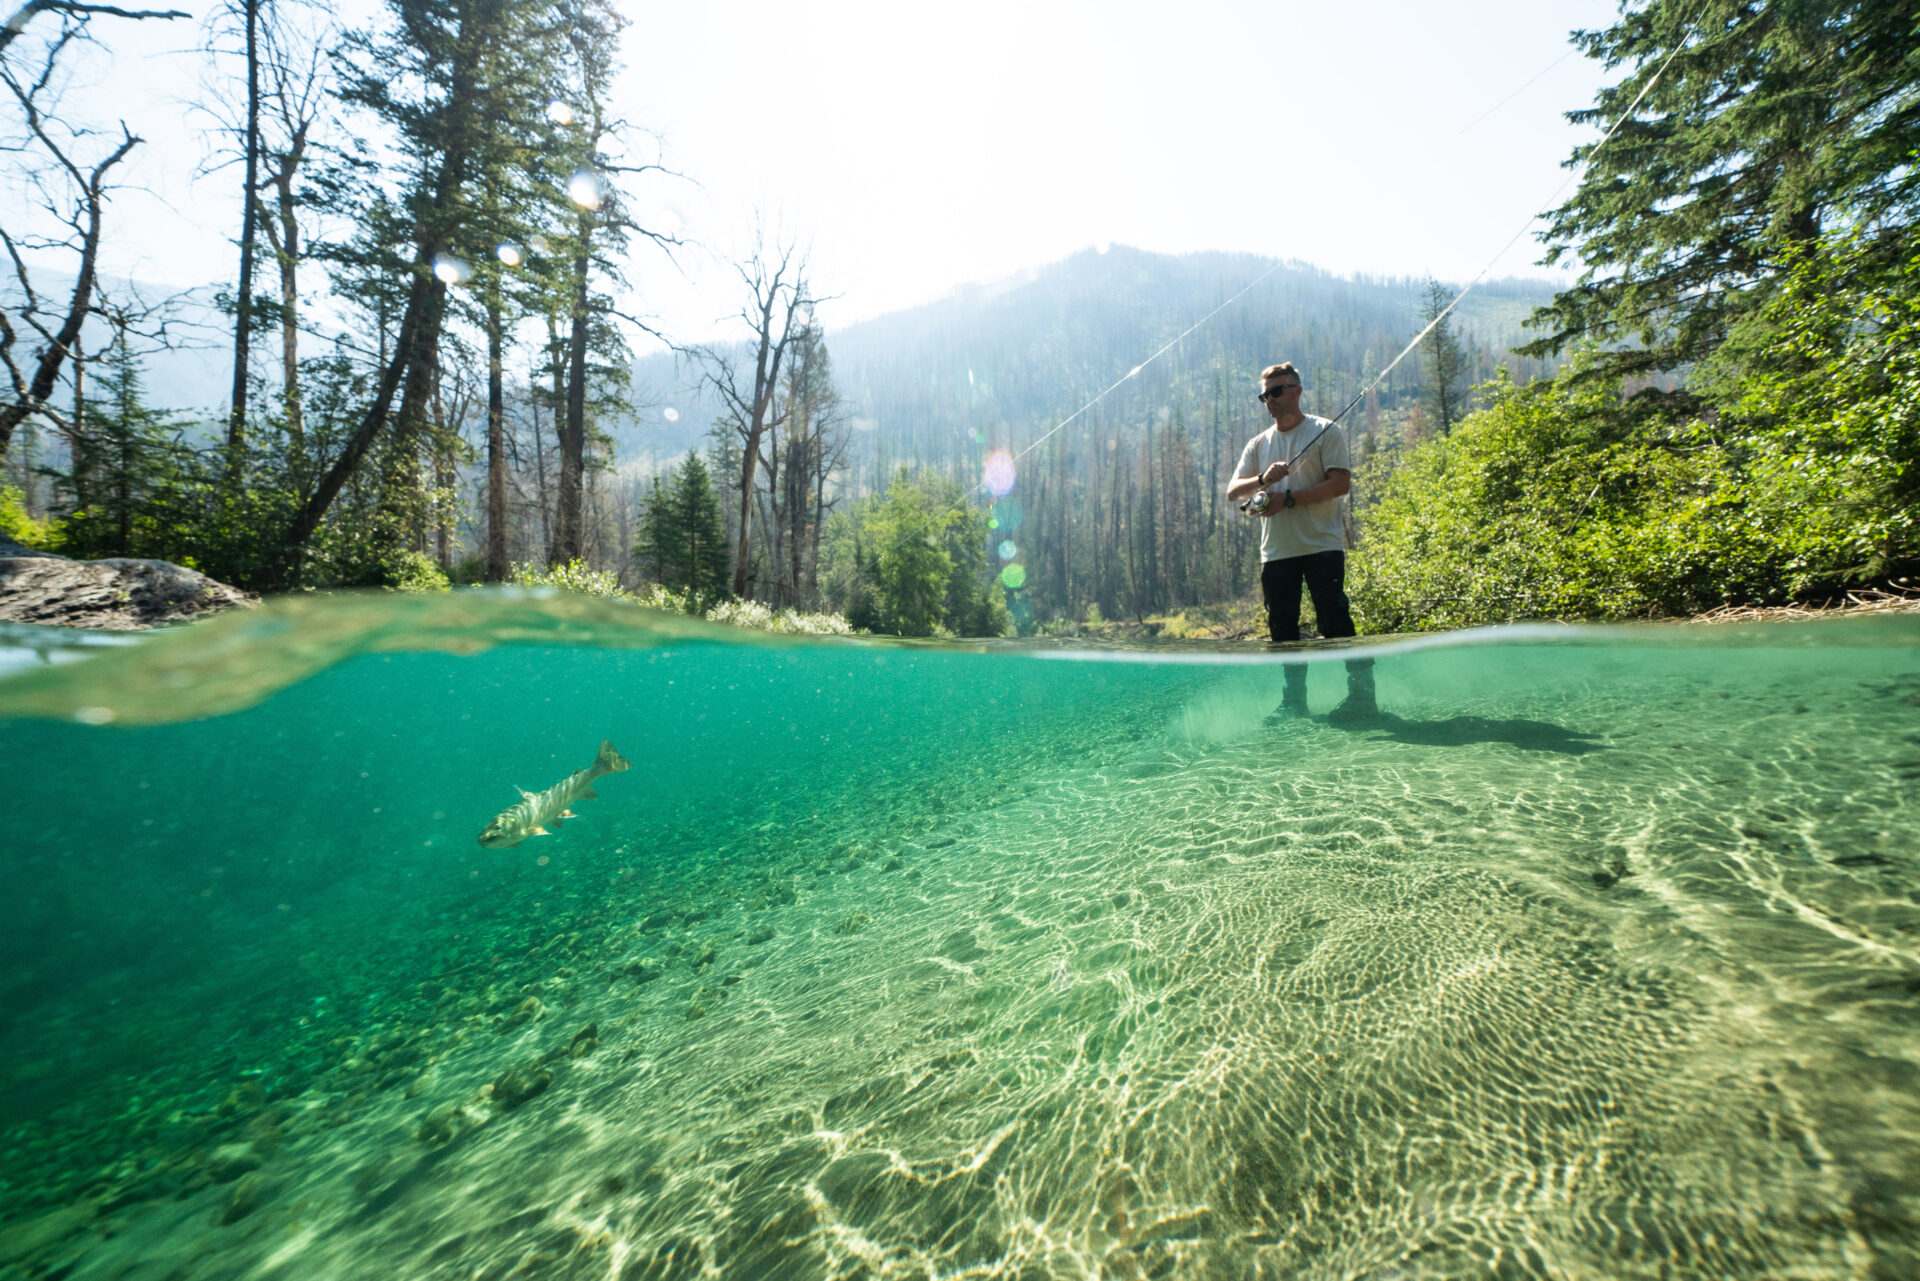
pixel 1326 575
pixel 1280 587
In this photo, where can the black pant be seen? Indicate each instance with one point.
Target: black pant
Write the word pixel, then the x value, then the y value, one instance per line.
pixel 1325 576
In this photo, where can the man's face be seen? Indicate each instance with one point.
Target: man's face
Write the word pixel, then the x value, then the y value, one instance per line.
pixel 1281 395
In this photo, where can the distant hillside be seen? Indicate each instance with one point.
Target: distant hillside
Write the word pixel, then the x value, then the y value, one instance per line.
pixel 1006 361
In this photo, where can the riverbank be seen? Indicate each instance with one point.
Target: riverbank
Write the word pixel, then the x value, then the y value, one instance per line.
pixel 1246 619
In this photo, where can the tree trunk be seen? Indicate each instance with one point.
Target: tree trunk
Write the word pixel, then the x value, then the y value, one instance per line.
pixel 79 451
pixel 1066 539
pixel 497 566
pixel 442 480
pixel 288 251
pixel 568 525
pixel 798 467
pixel 1150 512
pixel 243 298
pixel 403 506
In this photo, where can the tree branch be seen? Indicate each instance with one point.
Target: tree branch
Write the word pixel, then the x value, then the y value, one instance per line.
pixel 34 8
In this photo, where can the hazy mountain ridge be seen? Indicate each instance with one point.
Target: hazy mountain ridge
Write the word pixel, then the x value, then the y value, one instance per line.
pixel 1007 359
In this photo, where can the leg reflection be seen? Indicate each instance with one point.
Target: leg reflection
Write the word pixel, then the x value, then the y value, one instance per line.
pixel 1359 707
pixel 1293 699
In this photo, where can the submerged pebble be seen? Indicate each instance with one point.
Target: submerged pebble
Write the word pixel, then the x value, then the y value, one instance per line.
pixel 231 1160
pixel 516 1086
pixel 441 1126
pixel 645 970
pixel 246 1197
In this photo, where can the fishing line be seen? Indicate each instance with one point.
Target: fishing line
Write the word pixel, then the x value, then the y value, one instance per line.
pixel 1551 201
pixel 1517 92
pixel 1431 324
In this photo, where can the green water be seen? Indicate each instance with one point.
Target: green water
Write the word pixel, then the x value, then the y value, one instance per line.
pixel 1596 954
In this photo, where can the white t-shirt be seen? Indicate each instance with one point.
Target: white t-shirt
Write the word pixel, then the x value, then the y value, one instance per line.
pixel 1310 450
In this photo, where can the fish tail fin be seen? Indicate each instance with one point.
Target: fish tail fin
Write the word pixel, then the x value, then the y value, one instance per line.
pixel 609 761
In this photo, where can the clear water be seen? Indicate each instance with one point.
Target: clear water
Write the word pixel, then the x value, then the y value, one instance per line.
pixel 1596 955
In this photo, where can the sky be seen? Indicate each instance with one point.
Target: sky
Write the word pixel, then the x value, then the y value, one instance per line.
pixel 909 149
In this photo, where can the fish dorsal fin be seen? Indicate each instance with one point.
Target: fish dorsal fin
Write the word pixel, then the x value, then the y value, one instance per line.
pixel 525 795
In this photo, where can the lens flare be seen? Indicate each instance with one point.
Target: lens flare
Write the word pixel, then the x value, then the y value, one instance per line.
pixel 584 189
pixel 999 473
pixel 1007 550
pixel 539 244
pixel 559 112
pixel 450 269
pixel 671 414
pixel 509 254
pixel 1007 514
pixel 1014 577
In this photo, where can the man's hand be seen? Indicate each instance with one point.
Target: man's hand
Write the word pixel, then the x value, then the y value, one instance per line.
pixel 1273 475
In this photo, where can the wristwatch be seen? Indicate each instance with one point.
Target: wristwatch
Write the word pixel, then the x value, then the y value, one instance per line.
pixel 1287 496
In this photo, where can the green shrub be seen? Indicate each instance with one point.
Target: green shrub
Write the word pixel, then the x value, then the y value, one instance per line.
pixel 1540 506
pixel 15 523
pixel 574 576
pixel 749 613
pixel 1561 501
pixel 413 572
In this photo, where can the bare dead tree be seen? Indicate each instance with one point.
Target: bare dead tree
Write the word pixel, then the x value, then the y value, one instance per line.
pixel 780 305
pixel 296 85
pixel 248 14
pixel 814 450
pixel 75 197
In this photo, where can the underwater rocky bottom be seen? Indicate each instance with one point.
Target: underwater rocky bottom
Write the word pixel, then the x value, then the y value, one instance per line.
pixel 1591 955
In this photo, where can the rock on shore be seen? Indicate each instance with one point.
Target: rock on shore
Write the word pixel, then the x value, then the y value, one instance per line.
pixel 111 595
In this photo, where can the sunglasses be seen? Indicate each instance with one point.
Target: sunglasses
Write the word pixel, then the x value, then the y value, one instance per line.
pixel 1278 392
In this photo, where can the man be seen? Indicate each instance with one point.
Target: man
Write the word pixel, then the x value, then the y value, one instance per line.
pixel 1301 464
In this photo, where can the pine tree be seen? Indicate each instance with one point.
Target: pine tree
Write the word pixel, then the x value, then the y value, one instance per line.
pixel 1442 356
pixel 1772 123
pixel 683 535
pixel 133 465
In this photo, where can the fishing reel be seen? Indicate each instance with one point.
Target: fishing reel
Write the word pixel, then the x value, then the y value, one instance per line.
pixel 1258 504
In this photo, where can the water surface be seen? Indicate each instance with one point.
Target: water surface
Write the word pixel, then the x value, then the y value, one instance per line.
pixel 1596 954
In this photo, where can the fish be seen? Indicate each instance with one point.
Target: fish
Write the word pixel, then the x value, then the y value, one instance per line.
pixel 540 813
